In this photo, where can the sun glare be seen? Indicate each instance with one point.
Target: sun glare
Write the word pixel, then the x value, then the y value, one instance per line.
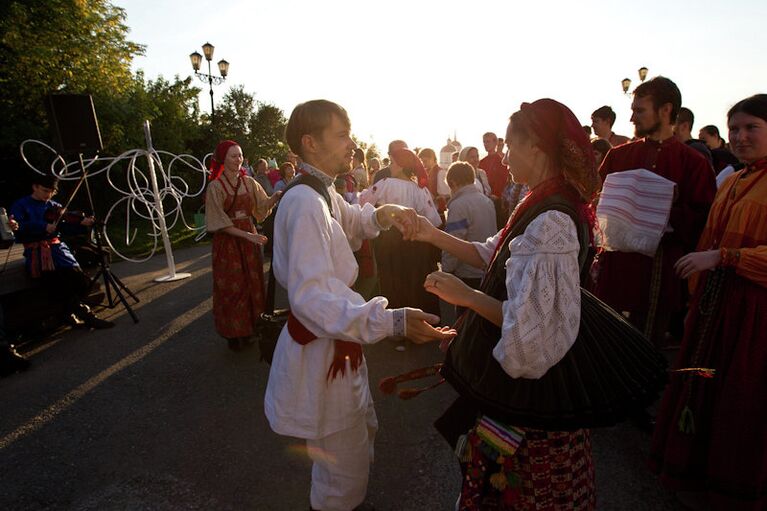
pixel 421 71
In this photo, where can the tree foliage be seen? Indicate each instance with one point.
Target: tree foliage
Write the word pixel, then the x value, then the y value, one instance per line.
pixel 171 108
pixel 59 46
pixel 371 150
pixel 82 47
pixel 268 132
pixel 258 127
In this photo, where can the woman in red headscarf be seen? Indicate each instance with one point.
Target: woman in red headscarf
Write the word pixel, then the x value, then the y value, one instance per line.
pixel 231 202
pixel 522 322
pixel 402 265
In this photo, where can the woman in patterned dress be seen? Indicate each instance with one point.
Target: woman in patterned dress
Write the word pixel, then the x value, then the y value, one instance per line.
pixel 231 202
pixel 526 317
pixel 710 439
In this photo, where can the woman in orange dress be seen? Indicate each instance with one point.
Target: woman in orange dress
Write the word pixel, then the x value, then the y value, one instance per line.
pixel 710 441
pixel 231 202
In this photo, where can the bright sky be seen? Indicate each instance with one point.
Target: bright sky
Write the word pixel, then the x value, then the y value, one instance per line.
pixel 421 70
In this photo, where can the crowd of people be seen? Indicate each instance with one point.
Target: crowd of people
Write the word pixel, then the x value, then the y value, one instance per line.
pixel 513 240
pixel 516 282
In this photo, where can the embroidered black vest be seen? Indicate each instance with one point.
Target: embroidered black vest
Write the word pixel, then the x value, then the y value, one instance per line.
pixel 470 366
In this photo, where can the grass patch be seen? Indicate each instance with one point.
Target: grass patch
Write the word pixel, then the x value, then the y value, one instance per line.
pixel 139 242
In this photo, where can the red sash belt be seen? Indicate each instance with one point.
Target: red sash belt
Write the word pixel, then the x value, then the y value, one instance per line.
pixel 344 350
pixel 41 258
pixel 366 260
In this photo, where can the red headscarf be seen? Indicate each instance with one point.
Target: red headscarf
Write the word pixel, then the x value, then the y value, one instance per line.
pixel 219 156
pixel 561 136
pixel 407 159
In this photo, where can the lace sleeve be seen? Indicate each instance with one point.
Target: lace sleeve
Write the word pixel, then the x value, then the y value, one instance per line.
pixel 542 314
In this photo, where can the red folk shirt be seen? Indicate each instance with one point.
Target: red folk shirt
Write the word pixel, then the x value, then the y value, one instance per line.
pixel 497 173
pixel 624 278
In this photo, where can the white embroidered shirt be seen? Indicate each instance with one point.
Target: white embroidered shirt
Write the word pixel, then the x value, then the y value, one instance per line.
pixel 541 317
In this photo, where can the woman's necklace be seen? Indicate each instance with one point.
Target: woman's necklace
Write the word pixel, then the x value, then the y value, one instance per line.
pixel 229 180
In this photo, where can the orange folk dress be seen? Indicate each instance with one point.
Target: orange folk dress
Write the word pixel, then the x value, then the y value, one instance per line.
pixel 711 433
pixel 238 275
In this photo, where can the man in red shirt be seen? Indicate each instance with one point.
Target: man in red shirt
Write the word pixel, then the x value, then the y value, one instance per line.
pixel 497 175
pixel 646 289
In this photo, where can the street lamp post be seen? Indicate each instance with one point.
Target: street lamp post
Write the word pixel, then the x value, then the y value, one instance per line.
pixel 626 82
pixel 223 68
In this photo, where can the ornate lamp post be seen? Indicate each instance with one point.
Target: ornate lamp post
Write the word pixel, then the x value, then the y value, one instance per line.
pixel 626 82
pixel 223 68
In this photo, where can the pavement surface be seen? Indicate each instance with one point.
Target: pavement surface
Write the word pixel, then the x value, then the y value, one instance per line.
pixel 160 415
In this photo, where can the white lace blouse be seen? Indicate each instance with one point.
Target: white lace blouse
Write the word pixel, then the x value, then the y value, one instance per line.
pixel 542 314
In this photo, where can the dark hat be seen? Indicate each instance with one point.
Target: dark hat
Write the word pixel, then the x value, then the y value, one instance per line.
pixel 46 180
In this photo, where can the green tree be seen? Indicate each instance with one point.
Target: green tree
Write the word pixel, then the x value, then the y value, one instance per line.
pixel 258 127
pixel 372 152
pixel 234 116
pixel 267 132
pixel 46 46
pixel 171 108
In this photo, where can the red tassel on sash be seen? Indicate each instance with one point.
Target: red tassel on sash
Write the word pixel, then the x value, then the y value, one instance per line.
pixel 344 350
pixel 41 258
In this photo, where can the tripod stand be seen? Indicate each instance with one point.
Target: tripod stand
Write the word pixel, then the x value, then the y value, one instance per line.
pixel 112 284
pixel 111 281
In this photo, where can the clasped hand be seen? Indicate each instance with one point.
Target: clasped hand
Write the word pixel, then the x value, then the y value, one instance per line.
pixel 404 219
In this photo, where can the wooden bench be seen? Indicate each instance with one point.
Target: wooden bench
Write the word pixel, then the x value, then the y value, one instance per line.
pixel 28 307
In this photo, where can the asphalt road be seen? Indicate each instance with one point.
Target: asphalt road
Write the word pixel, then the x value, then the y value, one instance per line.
pixel 161 415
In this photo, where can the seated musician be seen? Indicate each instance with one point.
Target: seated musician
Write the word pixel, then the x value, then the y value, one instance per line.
pixel 47 257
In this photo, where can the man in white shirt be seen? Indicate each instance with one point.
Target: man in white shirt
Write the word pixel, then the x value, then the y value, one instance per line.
pixel 318 384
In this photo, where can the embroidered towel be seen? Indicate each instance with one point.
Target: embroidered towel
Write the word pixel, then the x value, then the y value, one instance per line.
pixel 633 211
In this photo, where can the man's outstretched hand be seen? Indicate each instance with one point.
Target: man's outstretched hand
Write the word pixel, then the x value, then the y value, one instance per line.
pixel 419 329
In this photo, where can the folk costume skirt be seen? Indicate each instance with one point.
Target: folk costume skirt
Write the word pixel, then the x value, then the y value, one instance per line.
pixel 554 469
pixel 723 450
pixel 402 270
pixel 238 283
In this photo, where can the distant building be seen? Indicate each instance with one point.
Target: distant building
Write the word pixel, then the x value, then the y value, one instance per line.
pixel 446 153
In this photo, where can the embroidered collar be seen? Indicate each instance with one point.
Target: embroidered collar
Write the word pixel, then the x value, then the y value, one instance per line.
pixel 314 171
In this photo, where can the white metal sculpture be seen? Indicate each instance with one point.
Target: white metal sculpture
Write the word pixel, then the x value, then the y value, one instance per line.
pixel 143 192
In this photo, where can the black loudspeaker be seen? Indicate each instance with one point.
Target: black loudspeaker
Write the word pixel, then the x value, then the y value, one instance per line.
pixel 74 124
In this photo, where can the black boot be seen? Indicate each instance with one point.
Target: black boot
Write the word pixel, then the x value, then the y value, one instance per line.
pixel 90 319
pixel 11 362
